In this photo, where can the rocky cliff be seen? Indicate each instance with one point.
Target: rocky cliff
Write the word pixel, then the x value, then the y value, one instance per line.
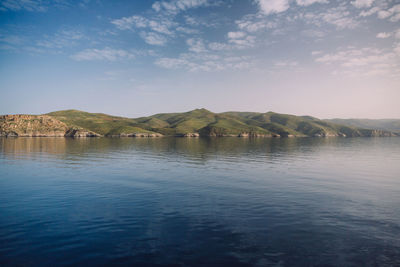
pixel 39 126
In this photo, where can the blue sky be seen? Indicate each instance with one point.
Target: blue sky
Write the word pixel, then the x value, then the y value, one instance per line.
pixel 324 58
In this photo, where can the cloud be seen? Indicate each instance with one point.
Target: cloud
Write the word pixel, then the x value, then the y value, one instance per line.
pixel 127 23
pixel 236 35
pixel 362 61
pixel 204 63
pixel 159 25
pixel 310 2
pixel 255 22
pixel 196 45
pixel 177 6
pixel 246 42
pixel 219 46
pixel 337 16
pixel 61 39
pixel 106 54
pixel 383 35
pixel 153 38
pixel 32 5
pixel 362 3
pixel 393 13
pixel 273 6
pixel 28 5
pixel 383 12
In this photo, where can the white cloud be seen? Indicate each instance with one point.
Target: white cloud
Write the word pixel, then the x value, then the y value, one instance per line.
pixel 273 6
pixel 317 52
pixel 363 61
pixel 310 2
pixel 219 46
pixel 127 23
pixel 236 35
pixel 383 35
pixel 240 43
pixel 362 3
pixel 61 39
pixel 107 54
pixel 29 5
pixel 196 45
pixel 337 16
pixel 255 22
pixel 208 63
pixel 159 25
pixel 393 13
pixel 153 38
pixel 369 12
pixel 177 6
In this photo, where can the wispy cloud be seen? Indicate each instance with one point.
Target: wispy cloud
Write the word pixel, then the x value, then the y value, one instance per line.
pixel 362 61
pixel 153 38
pixel 310 2
pixel 32 5
pixel 177 6
pixel 196 45
pixel 29 5
pixel 273 6
pixel 160 25
pixel 338 16
pixel 255 22
pixel 107 54
pixel 383 35
pixel 61 39
pixel 362 3
pixel 195 62
pixel 382 9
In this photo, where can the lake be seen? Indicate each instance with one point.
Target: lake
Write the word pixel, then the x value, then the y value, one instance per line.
pixel 200 201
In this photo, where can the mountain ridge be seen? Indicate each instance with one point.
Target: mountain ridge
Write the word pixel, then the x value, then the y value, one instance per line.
pixel 194 123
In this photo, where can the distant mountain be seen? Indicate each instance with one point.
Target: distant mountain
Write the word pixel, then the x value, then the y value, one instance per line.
pixel 198 122
pixel 380 124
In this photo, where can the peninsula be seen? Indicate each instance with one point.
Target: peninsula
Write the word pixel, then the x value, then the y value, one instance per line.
pixel 195 123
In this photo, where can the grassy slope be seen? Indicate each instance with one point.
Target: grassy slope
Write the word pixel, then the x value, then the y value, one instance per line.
pixel 380 124
pixel 98 122
pixel 208 123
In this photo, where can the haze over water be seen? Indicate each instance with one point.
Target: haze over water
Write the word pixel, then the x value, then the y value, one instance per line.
pixel 217 201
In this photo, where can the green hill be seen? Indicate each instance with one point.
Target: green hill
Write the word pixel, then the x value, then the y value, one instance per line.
pixel 98 122
pixel 379 124
pixel 206 123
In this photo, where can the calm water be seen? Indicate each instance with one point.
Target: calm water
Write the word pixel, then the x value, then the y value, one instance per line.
pixel 186 202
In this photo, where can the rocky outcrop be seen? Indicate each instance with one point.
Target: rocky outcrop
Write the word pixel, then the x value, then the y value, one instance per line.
pixel 191 135
pixel 74 132
pixel 137 135
pixel 39 126
pixel 257 135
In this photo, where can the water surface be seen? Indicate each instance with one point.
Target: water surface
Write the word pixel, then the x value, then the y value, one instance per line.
pixel 198 202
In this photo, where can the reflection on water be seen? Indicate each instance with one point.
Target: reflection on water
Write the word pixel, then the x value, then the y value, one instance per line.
pixel 200 201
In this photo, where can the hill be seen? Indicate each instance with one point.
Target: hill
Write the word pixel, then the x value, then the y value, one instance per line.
pixel 198 122
pixel 379 124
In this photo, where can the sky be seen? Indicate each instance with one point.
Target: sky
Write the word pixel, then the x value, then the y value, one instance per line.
pixel 325 58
